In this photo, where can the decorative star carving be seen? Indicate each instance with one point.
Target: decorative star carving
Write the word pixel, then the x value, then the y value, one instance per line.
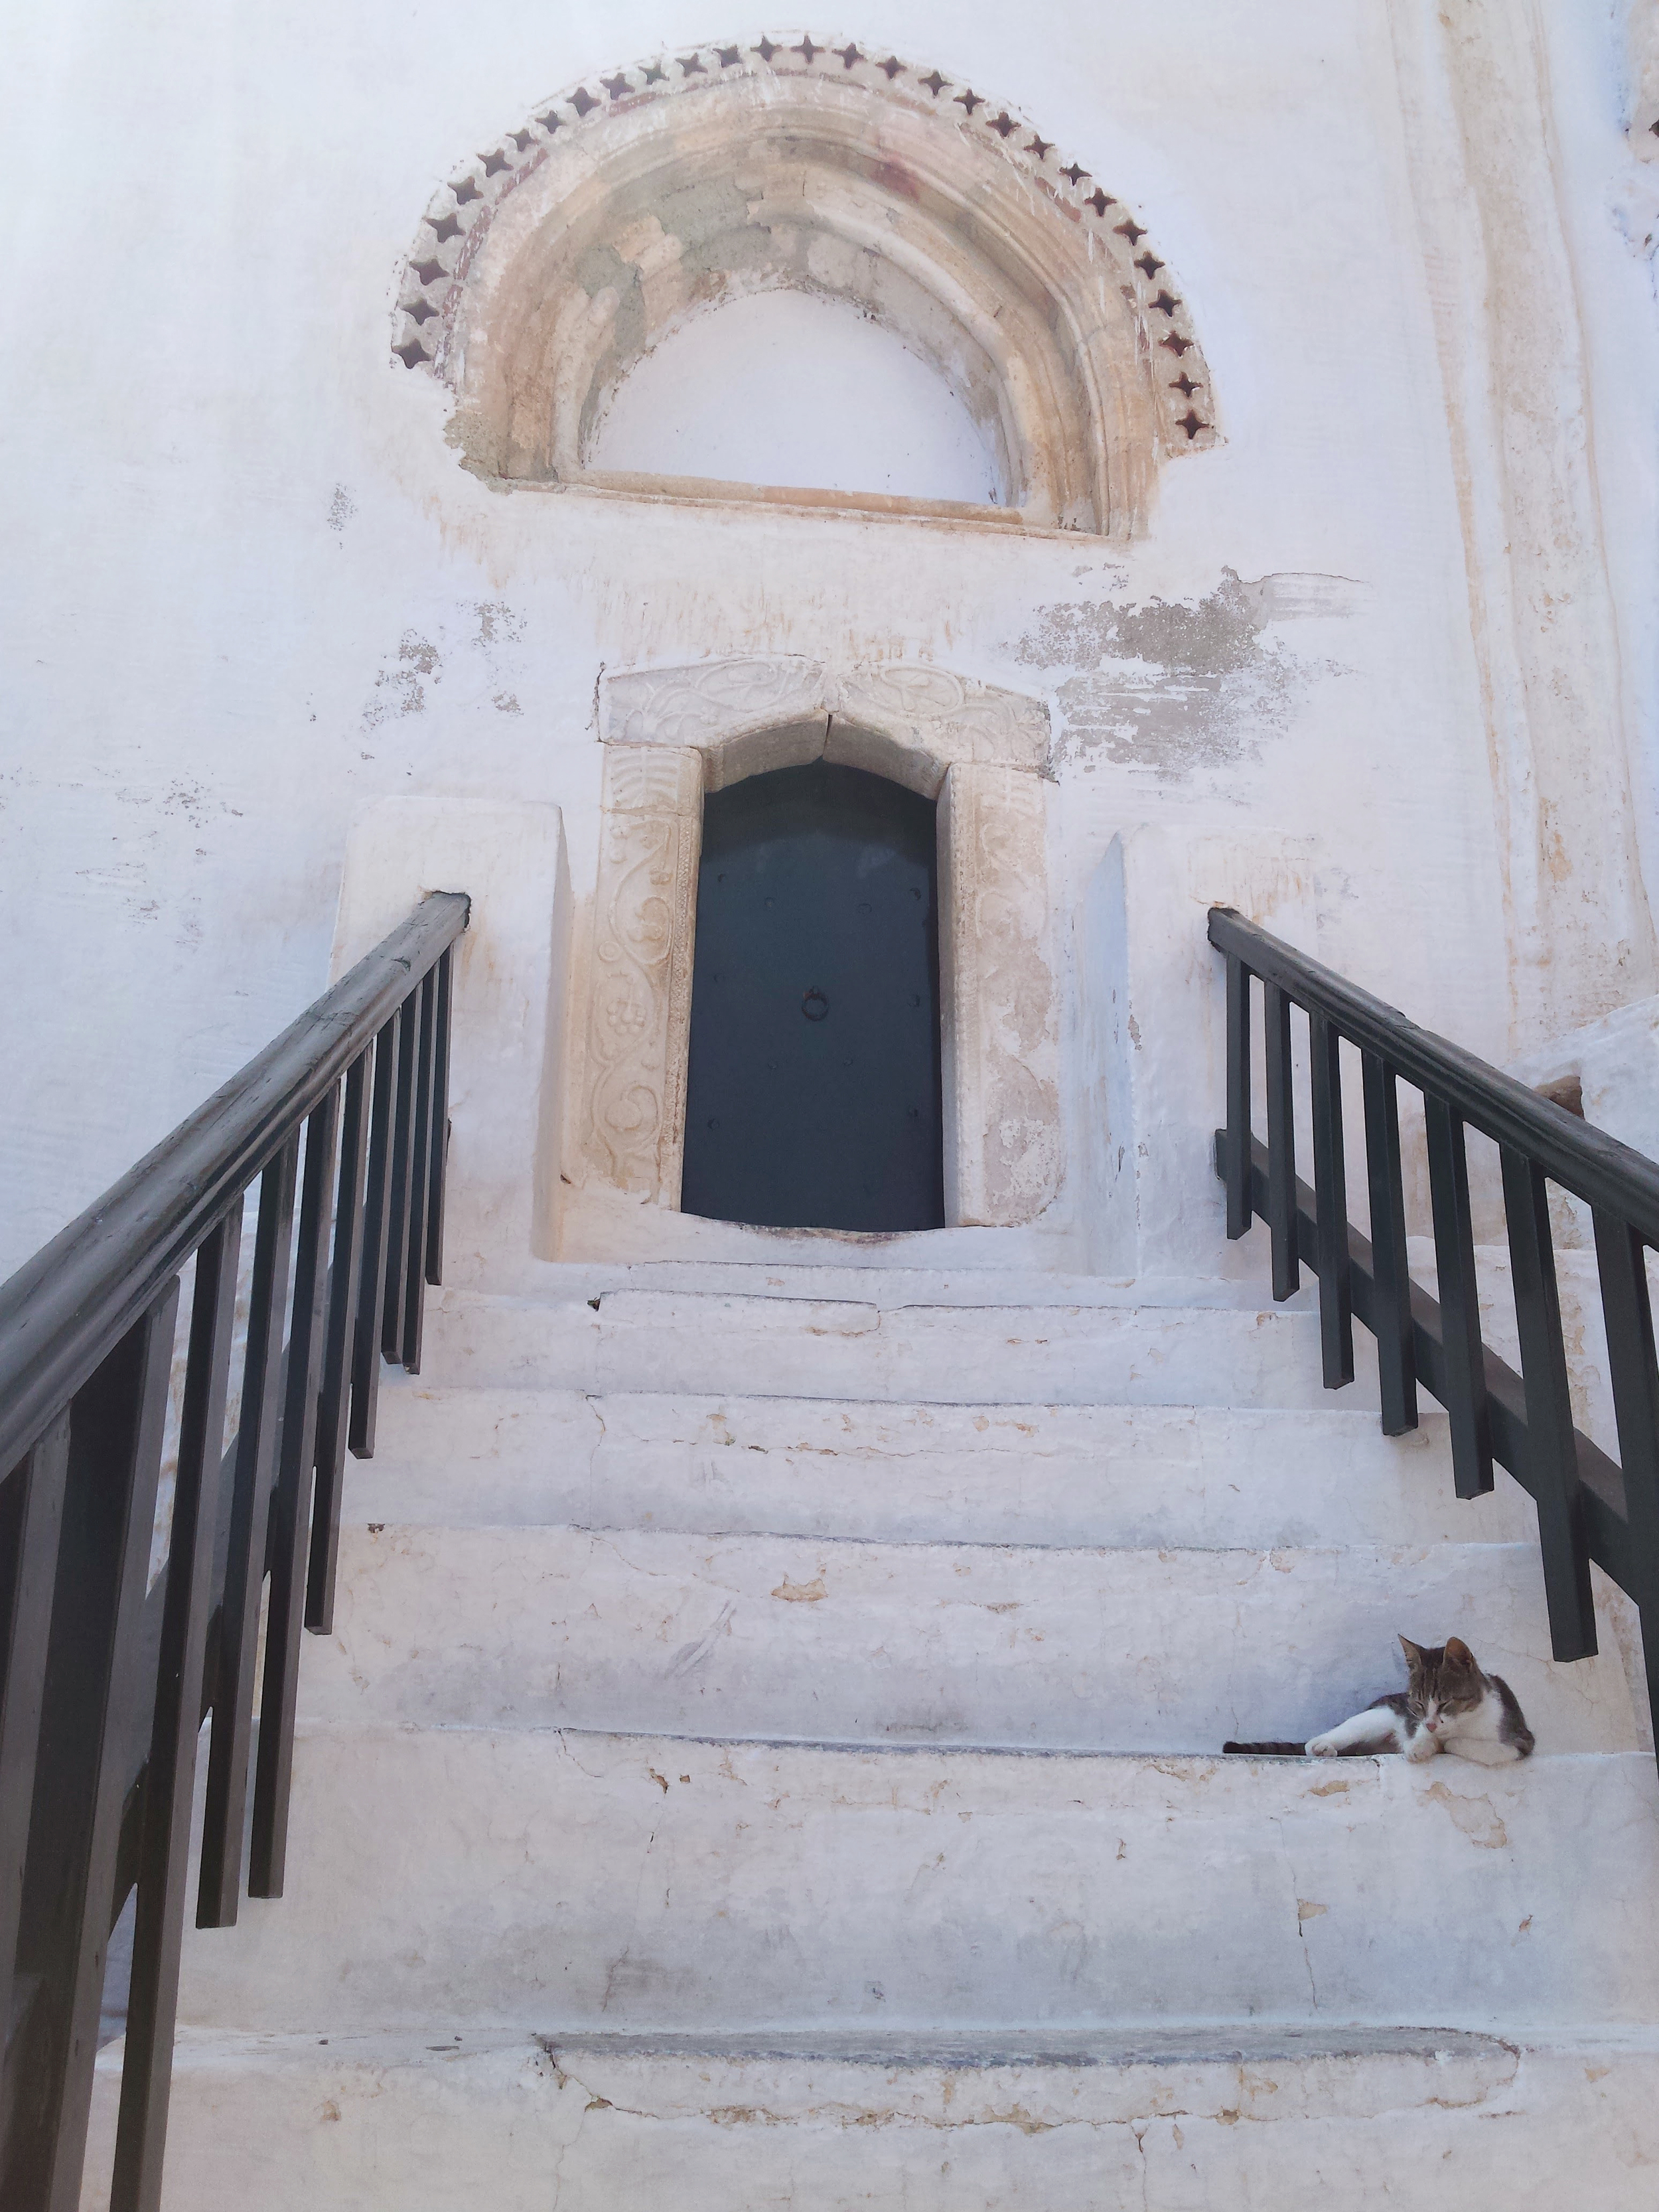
pixel 1164 304
pixel 654 73
pixel 583 100
pixel 693 67
pixel 1148 264
pixel 1041 147
pixel 936 83
pixel 891 67
pixel 730 55
pixel 1003 124
pixel 766 50
pixel 495 162
pixel 522 139
pixel 1131 230
pixel 1192 424
pixel 1183 383
pixel 411 353
pixel 617 86
pixel 806 49
pixel 443 227
pixel 1176 344
pixel 428 272
pixel 421 310
pixel 847 56
pixel 465 190
pixel 970 101
pixel 550 121
pixel 1075 174
pixel 1099 201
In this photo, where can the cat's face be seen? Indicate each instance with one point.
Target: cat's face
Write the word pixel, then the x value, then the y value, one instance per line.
pixel 1445 1682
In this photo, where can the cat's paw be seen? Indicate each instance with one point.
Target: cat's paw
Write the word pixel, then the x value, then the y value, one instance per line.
pixel 1422 1747
pixel 1322 1746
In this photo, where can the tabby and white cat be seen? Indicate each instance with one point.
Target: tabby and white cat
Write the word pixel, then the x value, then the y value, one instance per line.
pixel 1448 1703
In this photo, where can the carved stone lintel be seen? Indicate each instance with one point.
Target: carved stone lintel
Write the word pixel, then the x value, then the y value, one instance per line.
pixel 639 1003
pixel 1001 1042
pixel 709 702
pixel 949 715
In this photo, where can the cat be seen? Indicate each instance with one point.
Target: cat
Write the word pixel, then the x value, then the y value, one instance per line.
pixel 1448 1703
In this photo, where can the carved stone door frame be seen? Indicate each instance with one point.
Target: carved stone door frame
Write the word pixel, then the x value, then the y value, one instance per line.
pixel 671 734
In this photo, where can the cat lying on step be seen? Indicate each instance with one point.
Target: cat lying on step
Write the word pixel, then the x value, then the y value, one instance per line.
pixel 1448 1705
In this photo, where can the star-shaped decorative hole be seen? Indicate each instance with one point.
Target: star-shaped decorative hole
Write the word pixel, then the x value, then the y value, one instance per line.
pixel 465 190
pixel 1041 147
pixel 806 49
pixel 1176 344
pixel 693 67
pixel 1074 173
pixel 495 163
pixel 766 50
pixel 1149 264
pixel 583 100
pixel 730 55
pixel 1131 230
pixel 891 67
pixel 847 56
pixel 936 83
pixel 419 310
pixel 1183 383
pixel 550 121
pixel 1192 424
pixel 970 101
pixel 1164 304
pixel 428 272
pixel 1003 124
pixel 617 86
pixel 1100 200
pixel 443 227
pixel 411 353
pixel 522 139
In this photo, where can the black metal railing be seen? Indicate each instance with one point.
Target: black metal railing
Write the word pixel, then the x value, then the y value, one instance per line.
pixel 109 1663
pixel 1590 1506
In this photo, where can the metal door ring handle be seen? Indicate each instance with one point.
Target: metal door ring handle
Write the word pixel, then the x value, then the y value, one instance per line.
pixel 814 1004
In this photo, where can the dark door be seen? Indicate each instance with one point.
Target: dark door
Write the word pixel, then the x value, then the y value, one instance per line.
pixel 813 1092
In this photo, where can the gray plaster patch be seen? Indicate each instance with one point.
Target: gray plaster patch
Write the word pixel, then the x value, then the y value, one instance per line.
pixel 1179 685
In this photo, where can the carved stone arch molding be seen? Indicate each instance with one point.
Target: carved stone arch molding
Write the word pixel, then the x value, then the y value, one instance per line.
pixel 545 269
pixel 669 734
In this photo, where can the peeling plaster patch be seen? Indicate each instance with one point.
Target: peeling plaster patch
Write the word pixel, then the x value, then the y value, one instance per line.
pixel 1175 685
pixel 497 623
pixel 1475 1817
pixel 341 508
pixel 401 685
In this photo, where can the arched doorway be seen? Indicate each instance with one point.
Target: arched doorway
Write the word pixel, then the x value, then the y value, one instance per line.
pixel 813 1097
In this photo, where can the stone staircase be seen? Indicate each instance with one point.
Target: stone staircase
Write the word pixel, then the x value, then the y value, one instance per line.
pixel 768 1757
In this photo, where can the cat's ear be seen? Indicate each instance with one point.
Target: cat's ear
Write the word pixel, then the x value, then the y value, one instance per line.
pixel 1458 1653
pixel 1413 1652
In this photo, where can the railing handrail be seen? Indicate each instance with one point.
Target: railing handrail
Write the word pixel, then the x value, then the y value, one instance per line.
pixel 63 1309
pixel 1583 1159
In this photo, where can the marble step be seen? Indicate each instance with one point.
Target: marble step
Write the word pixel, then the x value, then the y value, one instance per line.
pixel 777 1346
pixel 1095 1650
pixel 1190 2120
pixel 984 1473
pixel 483 1878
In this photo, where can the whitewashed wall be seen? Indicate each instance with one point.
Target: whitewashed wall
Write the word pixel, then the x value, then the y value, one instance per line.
pixel 248 589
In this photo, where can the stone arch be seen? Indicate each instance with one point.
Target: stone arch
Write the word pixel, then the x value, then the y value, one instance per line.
pixel 671 733
pixel 546 270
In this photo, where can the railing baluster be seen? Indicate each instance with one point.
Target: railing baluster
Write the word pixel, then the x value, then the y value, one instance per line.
pixel 1459 1300
pixel 403 1155
pixel 334 1400
pixel 93 1697
pixel 1331 1206
pixel 1627 1312
pixel 435 1210
pixel 1551 1442
pixel 1396 1352
pixel 420 1184
pixel 377 1204
pixel 220 1887
pixel 1237 1143
pixel 291 1509
pixel 164 1858
pixel 31 1515
pixel 1281 1142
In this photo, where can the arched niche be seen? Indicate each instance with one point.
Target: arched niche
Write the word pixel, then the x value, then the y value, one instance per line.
pixel 547 270
pixel 669 734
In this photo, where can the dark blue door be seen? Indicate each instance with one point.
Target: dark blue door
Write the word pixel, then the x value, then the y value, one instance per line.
pixel 813 1091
